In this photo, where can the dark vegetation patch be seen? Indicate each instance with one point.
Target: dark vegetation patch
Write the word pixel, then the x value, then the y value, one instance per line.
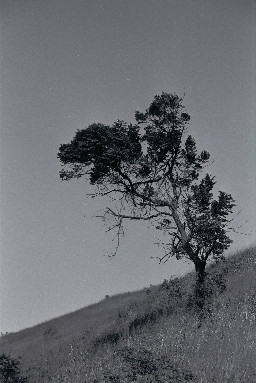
pixel 10 370
pixel 142 363
pixel 112 338
pixel 144 320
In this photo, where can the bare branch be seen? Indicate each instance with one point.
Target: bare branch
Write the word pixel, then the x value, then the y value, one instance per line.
pixel 132 217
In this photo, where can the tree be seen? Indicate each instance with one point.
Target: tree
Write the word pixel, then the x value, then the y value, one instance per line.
pixel 10 370
pixel 153 172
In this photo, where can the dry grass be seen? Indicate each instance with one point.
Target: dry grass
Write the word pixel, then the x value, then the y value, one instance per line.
pixel 155 335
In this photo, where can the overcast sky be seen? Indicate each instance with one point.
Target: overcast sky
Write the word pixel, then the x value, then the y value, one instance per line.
pixel 68 63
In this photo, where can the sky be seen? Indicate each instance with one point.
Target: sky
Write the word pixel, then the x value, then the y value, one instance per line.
pixel 65 64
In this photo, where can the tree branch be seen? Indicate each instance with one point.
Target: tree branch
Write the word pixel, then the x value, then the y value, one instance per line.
pixel 132 217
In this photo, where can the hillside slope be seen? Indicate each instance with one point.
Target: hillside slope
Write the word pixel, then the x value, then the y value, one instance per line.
pixel 154 335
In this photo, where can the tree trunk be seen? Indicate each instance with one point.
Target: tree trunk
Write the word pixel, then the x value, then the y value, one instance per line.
pixel 200 292
pixel 200 270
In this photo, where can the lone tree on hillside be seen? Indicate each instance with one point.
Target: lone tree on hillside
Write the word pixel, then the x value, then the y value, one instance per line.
pixel 153 172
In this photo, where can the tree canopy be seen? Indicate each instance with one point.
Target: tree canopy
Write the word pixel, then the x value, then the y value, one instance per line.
pixel 153 172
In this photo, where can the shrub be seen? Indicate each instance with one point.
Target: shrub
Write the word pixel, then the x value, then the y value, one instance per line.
pixel 10 370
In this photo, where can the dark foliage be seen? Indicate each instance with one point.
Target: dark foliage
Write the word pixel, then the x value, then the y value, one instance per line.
pixel 111 338
pixel 10 370
pixel 148 318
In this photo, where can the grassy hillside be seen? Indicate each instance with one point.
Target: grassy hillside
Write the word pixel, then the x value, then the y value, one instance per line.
pixel 154 335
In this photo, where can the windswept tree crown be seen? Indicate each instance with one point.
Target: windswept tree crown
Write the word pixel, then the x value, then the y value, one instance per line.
pixel 153 171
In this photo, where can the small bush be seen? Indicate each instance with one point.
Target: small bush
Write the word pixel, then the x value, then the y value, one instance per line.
pixel 10 370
